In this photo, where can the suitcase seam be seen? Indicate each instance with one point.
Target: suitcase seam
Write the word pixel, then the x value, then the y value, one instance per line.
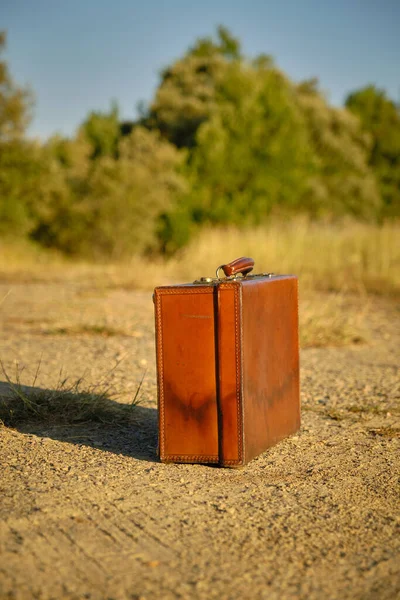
pixel 241 432
pixel 236 288
pixel 238 378
pixel 191 457
pixel 162 291
pixel 238 348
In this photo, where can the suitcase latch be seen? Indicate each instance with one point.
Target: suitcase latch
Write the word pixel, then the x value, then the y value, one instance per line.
pixel 206 280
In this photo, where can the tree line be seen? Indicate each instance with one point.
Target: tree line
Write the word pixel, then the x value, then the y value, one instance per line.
pixel 226 140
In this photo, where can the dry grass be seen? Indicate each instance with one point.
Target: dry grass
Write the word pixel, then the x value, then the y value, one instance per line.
pixel 352 257
pixel 332 320
pixel 387 432
pixel 70 403
pixel 91 329
pixel 20 256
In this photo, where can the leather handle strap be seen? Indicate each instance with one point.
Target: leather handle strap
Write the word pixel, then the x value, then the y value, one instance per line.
pixel 240 265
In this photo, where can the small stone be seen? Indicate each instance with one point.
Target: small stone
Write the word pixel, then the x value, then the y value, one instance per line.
pixel 153 563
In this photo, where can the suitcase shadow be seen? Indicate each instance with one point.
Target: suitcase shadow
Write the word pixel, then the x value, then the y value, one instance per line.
pixel 114 428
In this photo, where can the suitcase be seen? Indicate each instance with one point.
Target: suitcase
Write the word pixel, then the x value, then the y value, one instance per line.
pixel 227 365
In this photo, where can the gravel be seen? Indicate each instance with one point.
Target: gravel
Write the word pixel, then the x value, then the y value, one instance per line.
pixel 88 511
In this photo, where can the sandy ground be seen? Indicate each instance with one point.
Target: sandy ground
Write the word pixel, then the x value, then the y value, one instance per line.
pixel 89 512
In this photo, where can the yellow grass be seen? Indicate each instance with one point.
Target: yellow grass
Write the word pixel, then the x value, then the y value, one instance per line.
pixel 351 260
pixel 352 257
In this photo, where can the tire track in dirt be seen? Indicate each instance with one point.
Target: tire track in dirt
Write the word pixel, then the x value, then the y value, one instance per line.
pixel 79 550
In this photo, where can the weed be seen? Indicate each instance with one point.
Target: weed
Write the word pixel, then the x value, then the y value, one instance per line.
pixel 366 408
pixel 69 403
pixel 388 432
pixel 85 329
pixel 334 414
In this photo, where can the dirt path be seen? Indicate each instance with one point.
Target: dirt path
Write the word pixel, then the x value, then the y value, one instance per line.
pixel 88 512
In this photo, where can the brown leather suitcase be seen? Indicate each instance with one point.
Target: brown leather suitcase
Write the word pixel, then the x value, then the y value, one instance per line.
pixel 227 365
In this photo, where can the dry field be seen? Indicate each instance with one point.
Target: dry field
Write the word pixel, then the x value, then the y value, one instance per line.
pixel 347 257
pixel 86 509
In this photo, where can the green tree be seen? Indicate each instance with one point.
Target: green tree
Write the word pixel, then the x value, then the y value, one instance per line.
pixel 258 143
pixel 66 165
pixel 111 207
pixel 102 130
pixel 15 103
pixel 252 155
pixel 19 159
pixel 343 182
pixel 185 97
pixel 20 176
pixel 226 140
pixel 225 45
pixel 380 118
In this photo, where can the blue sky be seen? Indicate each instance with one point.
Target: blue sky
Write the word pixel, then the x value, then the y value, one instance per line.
pixel 79 55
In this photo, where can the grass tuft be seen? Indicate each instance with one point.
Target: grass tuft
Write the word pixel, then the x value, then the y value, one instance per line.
pixel 85 329
pixel 70 403
pixel 387 432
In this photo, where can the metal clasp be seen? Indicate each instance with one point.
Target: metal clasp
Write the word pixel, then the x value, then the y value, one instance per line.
pixel 217 272
pixel 212 280
pixel 205 280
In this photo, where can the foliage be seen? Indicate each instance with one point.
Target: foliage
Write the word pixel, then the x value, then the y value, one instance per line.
pixel 17 156
pixel 15 103
pixel 343 182
pixel 226 141
pixel 18 194
pixel 226 45
pixel 103 132
pixel 185 98
pixel 258 144
pixel 380 117
pixel 256 138
pixel 111 206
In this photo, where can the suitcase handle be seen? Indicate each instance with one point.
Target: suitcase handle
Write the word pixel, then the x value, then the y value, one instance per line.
pixel 241 265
